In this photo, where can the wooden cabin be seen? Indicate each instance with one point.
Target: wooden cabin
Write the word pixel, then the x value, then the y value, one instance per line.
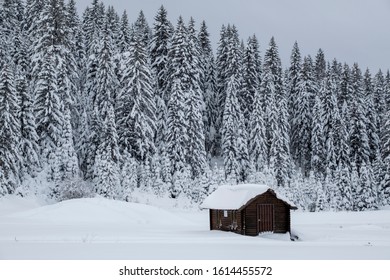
pixel 248 209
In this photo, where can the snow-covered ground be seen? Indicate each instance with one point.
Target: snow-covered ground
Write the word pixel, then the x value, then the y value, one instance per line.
pixel 98 228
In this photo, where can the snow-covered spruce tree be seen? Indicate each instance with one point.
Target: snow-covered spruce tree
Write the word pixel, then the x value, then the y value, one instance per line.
pixel 251 78
pixel 159 46
pixel 330 118
pixel 233 135
pixel 220 63
pixel 301 118
pixel 257 139
pixel 355 184
pixel 196 153
pixel 79 118
pixel 11 15
pixel 176 134
pixel 136 104
pixel 343 179
pixel 141 27
pixel 10 157
pixel 53 76
pixel 106 158
pixel 359 142
pixel 276 115
pixel 345 88
pixel 379 99
pixel 332 192
pixel 124 34
pixel 229 63
pixel 366 194
pixel 93 23
pixel 387 90
pixel 320 66
pixel 70 168
pixel 292 85
pixel 128 176
pixel 317 139
pixel 89 140
pixel 106 167
pixel 208 87
pixel 29 138
pixel 321 201
pixel 185 103
pixel 385 140
pixel 372 116
pixel 113 22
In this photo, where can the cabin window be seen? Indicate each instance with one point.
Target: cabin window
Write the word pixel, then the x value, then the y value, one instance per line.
pixel 225 213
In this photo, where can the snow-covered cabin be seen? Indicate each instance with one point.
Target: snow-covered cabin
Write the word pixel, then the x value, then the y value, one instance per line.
pixel 248 209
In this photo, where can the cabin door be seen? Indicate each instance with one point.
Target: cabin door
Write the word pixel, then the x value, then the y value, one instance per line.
pixel 265 217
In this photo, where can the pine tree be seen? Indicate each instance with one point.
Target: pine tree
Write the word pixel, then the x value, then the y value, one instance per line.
pixel 293 79
pixel 176 135
pixel 276 115
pixel 184 80
pixel 159 47
pixel 257 137
pixel 113 23
pixel 346 90
pixel 136 104
pixel 141 27
pixel 330 118
pixel 320 66
pixel 208 87
pixel 234 138
pixel 69 161
pixel 379 100
pixel 54 71
pixel 128 176
pixel 10 157
pixel 106 168
pixel 366 198
pixel 196 154
pixel 102 125
pixel 93 23
pixel 359 142
pixel 344 185
pixel 229 63
pixel 301 119
pixel 317 138
pixel 251 77
pixel 385 140
pixel 372 116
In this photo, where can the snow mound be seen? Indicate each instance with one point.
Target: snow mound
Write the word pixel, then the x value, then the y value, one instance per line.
pixel 12 204
pixel 100 210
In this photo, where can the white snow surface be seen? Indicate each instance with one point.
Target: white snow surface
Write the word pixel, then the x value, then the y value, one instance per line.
pixel 98 228
pixel 233 197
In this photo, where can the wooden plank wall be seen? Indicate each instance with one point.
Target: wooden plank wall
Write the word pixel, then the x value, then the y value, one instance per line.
pixel 232 222
pixel 282 213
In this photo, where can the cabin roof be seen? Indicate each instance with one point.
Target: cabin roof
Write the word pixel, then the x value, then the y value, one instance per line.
pixel 235 197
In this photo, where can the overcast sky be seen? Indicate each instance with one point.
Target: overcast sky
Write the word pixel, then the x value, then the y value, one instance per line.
pixel 349 30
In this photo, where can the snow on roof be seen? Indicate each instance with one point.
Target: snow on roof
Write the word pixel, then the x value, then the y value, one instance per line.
pixel 233 197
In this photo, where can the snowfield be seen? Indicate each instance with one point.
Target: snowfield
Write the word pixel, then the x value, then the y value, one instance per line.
pixel 98 228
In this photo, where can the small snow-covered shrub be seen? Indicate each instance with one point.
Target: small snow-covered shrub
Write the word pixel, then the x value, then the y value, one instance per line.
pixel 73 189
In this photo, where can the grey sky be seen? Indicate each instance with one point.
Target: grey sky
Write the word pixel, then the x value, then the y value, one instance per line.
pixel 349 30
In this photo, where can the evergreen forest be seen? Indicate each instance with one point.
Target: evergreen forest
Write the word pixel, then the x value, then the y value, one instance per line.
pixel 98 104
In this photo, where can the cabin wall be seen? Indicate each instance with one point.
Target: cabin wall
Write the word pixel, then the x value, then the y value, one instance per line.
pixel 281 214
pixel 227 220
